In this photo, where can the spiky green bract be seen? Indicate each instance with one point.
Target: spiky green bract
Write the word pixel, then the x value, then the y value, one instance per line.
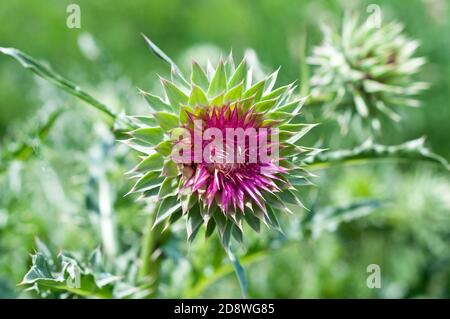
pixel 364 70
pixel 214 195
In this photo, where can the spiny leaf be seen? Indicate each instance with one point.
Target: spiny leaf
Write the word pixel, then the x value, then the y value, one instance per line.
pixel 264 106
pixel 235 93
pixel 218 83
pixel 66 274
pixel 329 218
pixel 23 150
pixel 198 97
pixel 253 221
pixel 199 77
pixel 293 107
pixel 193 222
pixel 169 205
pixel 170 169
pixel 174 95
pixel 239 74
pixel 229 65
pixel 256 90
pixel 168 188
pixel 297 136
pixel 277 92
pixel 150 179
pixel 167 121
pixel 270 81
pixel 153 162
pixel 164 148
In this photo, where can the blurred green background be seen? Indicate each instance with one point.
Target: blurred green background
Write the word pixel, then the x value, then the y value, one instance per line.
pixel 49 196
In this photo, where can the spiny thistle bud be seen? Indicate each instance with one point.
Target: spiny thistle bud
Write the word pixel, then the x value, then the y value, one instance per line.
pixel 365 71
pixel 221 150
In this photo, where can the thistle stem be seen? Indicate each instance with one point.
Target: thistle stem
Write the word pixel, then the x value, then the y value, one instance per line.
pixel 150 261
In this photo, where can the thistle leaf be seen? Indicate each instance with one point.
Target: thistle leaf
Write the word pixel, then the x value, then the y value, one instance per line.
pixel 168 188
pixel 240 273
pixel 149 180
pixel 253 222
pixel 264 106
pixel 168 206
pixel 193 222
pixel 67 275
pixel 24 149
pixel 153 162
pixel 270 81
pixel 256 90
pixel 329 218
pixel 170 169
pixel 155 102
pixel 164 148
pixel 412 150
pixel 235 93
pixel 150 135
pixel 175 96
pixel 238 75
pixel 198 97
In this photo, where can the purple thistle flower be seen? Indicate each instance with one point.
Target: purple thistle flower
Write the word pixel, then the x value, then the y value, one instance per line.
pixel 220 150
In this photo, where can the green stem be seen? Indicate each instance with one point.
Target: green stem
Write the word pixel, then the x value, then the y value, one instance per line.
pixel 150 261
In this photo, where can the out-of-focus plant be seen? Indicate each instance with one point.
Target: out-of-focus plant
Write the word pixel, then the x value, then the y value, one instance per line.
pixel 364 71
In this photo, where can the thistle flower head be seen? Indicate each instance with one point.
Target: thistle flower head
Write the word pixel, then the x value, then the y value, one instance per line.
pixel 221 149
pixel 365 70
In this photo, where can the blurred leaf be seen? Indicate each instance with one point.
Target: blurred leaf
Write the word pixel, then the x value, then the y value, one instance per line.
pixel 329 218
pixel 170 169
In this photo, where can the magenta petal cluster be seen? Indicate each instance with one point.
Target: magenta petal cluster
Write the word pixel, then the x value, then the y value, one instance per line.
pixel 224 179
